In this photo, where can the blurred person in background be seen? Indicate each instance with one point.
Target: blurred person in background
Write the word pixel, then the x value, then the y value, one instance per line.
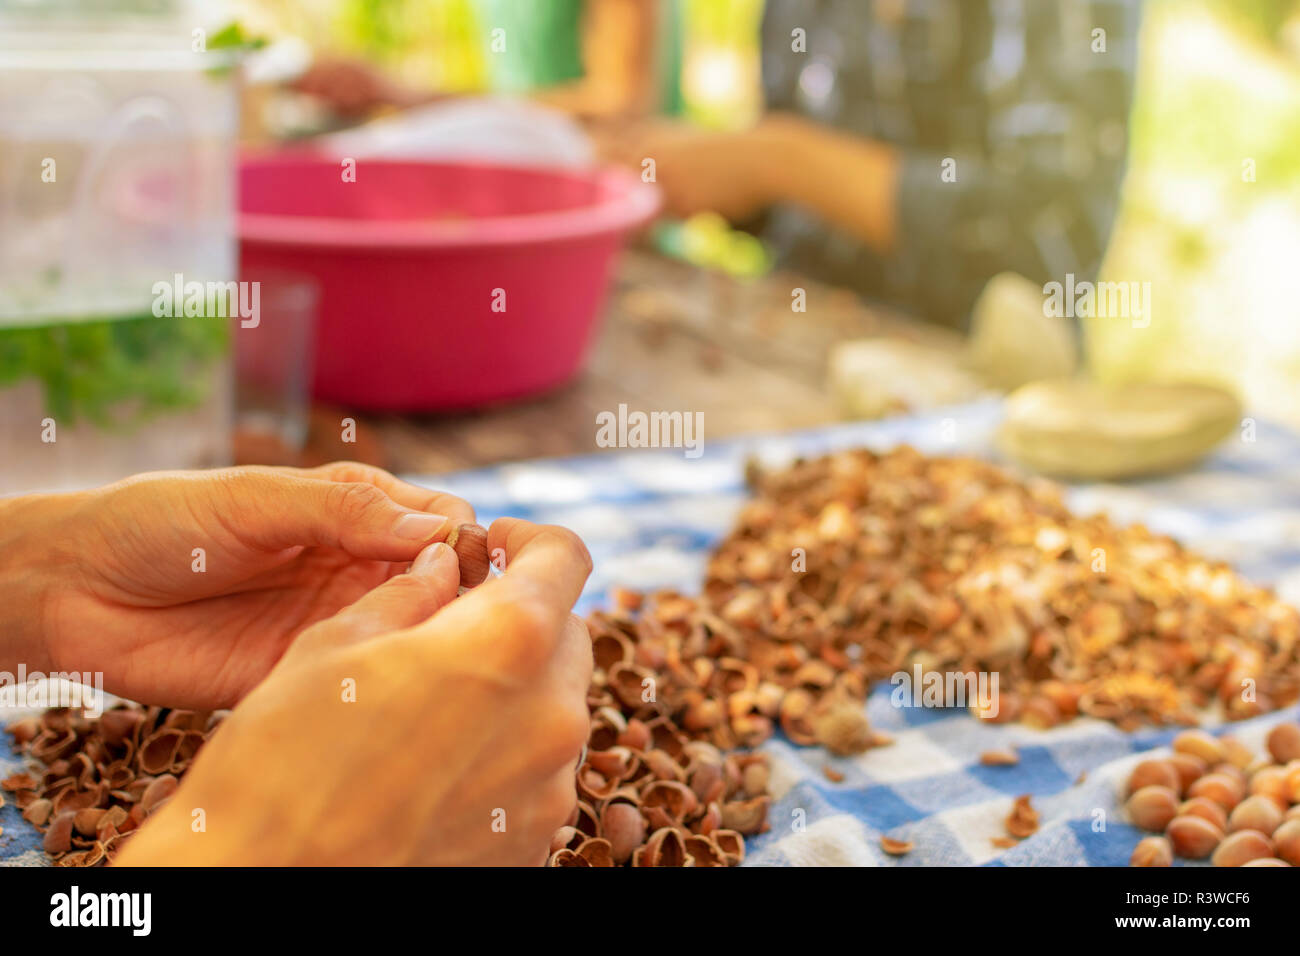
pixel 914 149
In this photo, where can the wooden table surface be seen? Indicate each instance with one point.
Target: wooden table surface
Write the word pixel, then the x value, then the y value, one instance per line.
pixel 673 338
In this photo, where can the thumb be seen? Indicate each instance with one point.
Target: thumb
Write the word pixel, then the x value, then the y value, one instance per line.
pixel 400 602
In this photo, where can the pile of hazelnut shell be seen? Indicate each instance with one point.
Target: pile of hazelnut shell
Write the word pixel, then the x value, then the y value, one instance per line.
pixel 678 696
pixel 881 562
pixel 101 778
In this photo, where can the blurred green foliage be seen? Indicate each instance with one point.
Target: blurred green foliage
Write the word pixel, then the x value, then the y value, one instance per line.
pixel 378 27
pixel 1214 88
pixel 116 373
pixel 1211 209
pixel 1264 19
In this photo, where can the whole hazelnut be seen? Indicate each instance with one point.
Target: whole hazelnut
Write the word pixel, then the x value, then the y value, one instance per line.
pixel 1040 713
pixel 1152 851
pixel 1233 771
pixel 1206 809
pixel 1270 782
pixel 1284 742
pixel 843 729
pixel 1241 847
pixel 1286 840
pixel 1235 752
pixel 756 777
pixel 469 541
pixel 1190 768
pixel 1200 744
pixel 1152 807
pixel 624 827
pixel 1293 783
pixel 1193 837
pixel 1154 773
pixel 1255 813
pixel 1224 790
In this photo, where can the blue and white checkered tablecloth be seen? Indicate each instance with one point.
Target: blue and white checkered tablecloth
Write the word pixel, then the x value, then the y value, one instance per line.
pixel 650 517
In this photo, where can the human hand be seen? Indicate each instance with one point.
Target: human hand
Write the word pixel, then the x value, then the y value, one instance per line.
pixel 698 170
pixel 126 594
pixel 410 728
pixel 848 181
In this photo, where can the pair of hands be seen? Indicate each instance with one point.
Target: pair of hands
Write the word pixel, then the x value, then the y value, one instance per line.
pixel 380 718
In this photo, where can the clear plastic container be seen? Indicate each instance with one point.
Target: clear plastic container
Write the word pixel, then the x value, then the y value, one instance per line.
pixel 117 172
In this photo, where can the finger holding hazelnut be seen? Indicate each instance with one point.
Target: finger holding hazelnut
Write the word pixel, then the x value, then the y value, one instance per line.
pixel 469 541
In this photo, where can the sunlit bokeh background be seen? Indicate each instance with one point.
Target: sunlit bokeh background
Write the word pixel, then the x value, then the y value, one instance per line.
pixel 1211 208
pixel 1211 211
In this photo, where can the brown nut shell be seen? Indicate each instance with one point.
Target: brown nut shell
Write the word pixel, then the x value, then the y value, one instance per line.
pixel 1286 841
pixel 1154 773
pixel 1200 744
pixel 469 541
pixel 1270 782
pixel 1242 847
pixel 1206 809
pixel 1223 789
pixel 1235 752
pixel 746 816
pixel 1192 837
pixel 58 838
pixel 896 847
pixel 1152 851
pixel 38 812
pixel 1190 768
pixel 1152 807
pixel 704 852
pixel 1284 742
pixel 1255 813
pixel 843 729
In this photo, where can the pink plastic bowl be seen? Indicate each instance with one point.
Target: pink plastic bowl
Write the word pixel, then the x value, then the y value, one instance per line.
pixel 412 257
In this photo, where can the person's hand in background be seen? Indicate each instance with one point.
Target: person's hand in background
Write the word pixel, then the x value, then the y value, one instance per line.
pixel 699 170
pixel 410 728
pixel 185 588
pixel 849 181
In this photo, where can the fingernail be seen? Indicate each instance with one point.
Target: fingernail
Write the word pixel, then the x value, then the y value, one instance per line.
pixel 418 526
pixel 427 559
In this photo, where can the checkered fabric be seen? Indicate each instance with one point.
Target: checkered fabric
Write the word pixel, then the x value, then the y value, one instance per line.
pixel 650 517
